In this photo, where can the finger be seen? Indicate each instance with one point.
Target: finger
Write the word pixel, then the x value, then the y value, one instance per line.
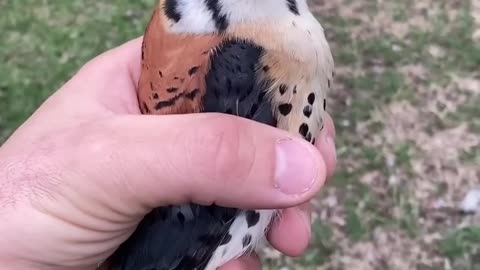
pixel 244 263
pixel 330 126
pixel 209 158
pixel 126 58
pixel 291 234
pixel 325 143
pixel 107 82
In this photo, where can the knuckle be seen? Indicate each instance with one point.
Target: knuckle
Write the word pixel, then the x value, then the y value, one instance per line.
pixel 231 150
pixel 97 142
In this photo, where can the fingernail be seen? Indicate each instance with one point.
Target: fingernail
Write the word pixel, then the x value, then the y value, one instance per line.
pixel 295 169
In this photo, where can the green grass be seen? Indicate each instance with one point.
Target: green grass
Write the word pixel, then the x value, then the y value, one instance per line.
pixel 323 248
pixel 46 42
pixel 461 243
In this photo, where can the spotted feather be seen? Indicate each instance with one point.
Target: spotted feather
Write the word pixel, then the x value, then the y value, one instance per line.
pixel 174 66
pixel 264 60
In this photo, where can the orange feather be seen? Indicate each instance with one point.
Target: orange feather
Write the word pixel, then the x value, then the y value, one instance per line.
pixel 173 71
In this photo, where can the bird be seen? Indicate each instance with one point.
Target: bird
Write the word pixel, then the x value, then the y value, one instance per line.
pixel 265 60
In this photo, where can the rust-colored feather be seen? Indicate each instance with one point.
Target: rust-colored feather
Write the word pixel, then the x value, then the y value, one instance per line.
pixel 173 72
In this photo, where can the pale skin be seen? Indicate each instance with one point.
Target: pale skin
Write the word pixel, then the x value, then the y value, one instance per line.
pixel 81 172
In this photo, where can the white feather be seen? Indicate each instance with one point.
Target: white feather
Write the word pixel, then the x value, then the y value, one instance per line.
pixel 196 18
pixel 238 230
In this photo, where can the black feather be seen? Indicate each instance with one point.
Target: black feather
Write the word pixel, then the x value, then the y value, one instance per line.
pixel 232 84
pixel 170 8
pixel 162 241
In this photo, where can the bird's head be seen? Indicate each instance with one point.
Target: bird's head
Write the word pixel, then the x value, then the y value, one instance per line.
pixel 207 16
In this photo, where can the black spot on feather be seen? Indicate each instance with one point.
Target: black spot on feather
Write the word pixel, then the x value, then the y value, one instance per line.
pixel 311 98
pixel 308 137
pixel 307 111
pixel 252 218
pixel 303 129
pixel 221 21
pixel 283 89
pixel 226 239
pixel 293 6
pixel 170 9
pixel 247 239
pixel 285 108
pixel 193 70
pixel 192 94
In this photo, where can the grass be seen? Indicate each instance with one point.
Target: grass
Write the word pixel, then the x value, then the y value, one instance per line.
pixel 408 82
pixel 457 244
pixel 46 42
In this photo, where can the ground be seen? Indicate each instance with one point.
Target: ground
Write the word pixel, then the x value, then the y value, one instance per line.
pixel 405 102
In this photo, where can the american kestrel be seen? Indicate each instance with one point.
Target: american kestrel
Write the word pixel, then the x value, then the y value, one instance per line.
pixel 265 60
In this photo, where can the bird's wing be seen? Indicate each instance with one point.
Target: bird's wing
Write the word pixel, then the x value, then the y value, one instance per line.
pixel 189 74
pixel 175 238
pixel 174 66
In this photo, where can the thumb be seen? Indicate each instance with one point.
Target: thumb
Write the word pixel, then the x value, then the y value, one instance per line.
pixel 212 158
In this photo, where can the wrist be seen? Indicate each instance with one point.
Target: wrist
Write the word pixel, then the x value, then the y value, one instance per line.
pixel 24 230
pixel 14 215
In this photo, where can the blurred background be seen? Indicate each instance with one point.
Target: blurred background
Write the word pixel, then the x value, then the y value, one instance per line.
pixel 406 103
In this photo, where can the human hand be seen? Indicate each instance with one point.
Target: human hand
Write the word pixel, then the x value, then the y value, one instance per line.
pixel 78 176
